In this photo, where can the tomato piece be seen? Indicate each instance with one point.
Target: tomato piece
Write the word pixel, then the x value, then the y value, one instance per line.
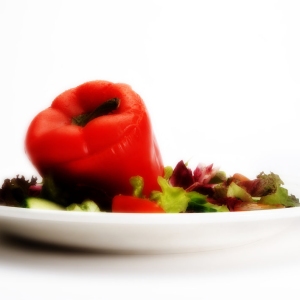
pixel 247 206
pixel 131 204
pixel 240 177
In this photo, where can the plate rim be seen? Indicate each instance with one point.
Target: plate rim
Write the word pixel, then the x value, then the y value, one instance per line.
pixel 13 213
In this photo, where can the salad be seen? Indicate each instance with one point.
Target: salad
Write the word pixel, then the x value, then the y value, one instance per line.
pixel 206 189
pixel 95 150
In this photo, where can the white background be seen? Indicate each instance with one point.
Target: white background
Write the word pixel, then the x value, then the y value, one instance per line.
pixel 221 79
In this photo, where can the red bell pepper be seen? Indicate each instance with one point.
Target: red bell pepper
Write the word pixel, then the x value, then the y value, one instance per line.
pixel 98 134
pixel 132 204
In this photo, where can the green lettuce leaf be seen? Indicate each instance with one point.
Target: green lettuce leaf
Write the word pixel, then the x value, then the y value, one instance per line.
pixel 281 196
pixel 199 204
pixel 171 199
pixel 178 200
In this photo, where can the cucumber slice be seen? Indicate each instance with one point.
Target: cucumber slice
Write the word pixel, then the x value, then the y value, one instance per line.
pixel 39 203
pixel 87 205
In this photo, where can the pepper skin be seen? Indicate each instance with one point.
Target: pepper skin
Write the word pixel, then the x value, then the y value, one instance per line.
pixel 107 151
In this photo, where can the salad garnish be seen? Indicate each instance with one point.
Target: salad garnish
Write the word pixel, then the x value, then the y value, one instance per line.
pixel 204 190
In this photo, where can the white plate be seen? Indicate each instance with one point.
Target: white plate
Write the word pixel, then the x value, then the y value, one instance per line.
pixel 145 233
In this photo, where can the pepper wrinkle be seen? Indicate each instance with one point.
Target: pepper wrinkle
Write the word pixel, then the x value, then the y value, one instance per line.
pixel 108 150
pixel 127 141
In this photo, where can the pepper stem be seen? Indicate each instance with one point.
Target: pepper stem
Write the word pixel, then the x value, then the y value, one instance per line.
pixel 103 109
